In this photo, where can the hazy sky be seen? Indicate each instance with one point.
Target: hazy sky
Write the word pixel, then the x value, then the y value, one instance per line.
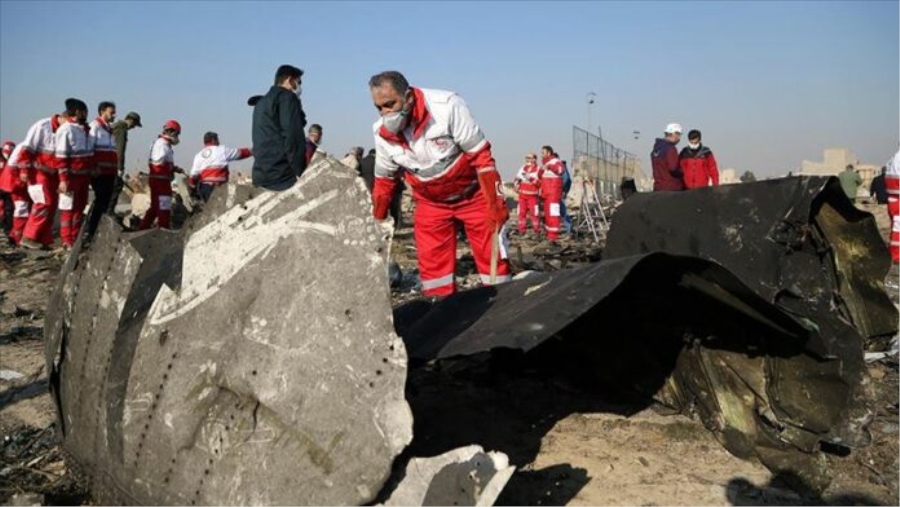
pixel 769 83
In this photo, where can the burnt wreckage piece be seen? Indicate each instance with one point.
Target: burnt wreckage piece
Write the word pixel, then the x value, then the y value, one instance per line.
pixel 768 355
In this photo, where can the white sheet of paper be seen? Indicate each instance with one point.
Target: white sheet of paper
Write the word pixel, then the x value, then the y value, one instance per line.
pixel 66 202
pixel 36 192
pixel 554 209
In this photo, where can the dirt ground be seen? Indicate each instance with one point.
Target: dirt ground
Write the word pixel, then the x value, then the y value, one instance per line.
pixel 569 450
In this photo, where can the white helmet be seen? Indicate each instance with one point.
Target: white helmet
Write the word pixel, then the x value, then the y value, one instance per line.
pixel 673 128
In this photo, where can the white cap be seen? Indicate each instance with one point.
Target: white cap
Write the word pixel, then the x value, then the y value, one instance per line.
pixel 673 128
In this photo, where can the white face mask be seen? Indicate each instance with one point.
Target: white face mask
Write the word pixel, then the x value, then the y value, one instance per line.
pixel 298 91
pixel 396 121
pixel 694 146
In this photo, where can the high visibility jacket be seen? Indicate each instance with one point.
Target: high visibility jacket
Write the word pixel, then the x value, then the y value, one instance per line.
pixel 529 179
pixel 892 184
pixel 211 164
pixel 106 160
pixel 9 179
pixel 73 152
pixel 698 167
pixel 552 168
pixel 162 160
pixel 442 150
pixel 39 146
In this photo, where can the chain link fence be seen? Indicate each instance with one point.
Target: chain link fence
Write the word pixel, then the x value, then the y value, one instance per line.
pixel 602 163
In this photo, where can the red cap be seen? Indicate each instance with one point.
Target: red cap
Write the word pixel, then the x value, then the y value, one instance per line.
pixel 173 125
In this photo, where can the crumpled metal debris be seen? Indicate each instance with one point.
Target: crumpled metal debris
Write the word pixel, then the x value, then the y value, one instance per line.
pixel 227 363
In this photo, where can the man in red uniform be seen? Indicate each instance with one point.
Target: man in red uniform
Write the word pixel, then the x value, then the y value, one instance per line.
pixel 14 181
pixel 74 160
pixel 528 185
pixel 892 183
pixel 38 166
pixel 697 163
pixel 552 171
pixel 162 170
pixel 210 167
pixel 106 163
pixel 7 210
pixel 448 163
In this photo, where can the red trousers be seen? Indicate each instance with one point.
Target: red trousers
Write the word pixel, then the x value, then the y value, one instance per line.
pixel 39 226
pixel 894 212
pixel 434 226
pixel 551 193
pixel 160 205
pixel 70 220
pixel 528 205
pixel 21 209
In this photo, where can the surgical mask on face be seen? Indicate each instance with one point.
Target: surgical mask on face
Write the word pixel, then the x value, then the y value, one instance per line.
pixel 394 122
pixel 694 146
pixel 173 138
pixel 298 91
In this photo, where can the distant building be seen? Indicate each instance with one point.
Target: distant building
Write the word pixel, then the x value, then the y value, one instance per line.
pixel 729 176
pixel 834 160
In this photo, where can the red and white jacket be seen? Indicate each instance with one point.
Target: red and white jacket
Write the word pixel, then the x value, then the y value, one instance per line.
pixel 105 157
pixel 211 164
pixel 529 179
pixel 892 184
pixel 442 150
pixel 39 147
pixel 552 168
pixel 9 179
pixel 162 160
pixel 73 153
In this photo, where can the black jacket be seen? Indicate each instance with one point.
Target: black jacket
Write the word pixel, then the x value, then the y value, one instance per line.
pixel 279 143
pixel 878 188
pixel 367 170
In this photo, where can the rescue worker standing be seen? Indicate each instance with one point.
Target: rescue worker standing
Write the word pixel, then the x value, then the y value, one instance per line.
pixel 667 175
pixel 37 167
pixel 74 156
pixel 551 191
pixel 14 181
pixel 210 167
pixel 279 148
pixel 8 209
pixel 106 162
pixel 449 165
pixel 697 163
pixel 162 170
pixel 892 182
pixel 528 186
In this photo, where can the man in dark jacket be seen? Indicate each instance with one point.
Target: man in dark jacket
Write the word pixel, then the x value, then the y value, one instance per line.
pixel 279 146
pixel 367 169
pixel 120 136
pixel 697 163
pixel 878 188
pixel 664 158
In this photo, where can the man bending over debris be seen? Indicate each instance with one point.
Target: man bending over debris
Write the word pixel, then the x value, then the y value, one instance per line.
pixel 279 147
pixel 210 167
pixel 448 163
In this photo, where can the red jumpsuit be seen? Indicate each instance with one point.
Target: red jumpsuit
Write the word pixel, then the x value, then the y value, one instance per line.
pixel 75 164
pixel 551 193
pixel 529 184
pixel 162 167
pixel 448 163
pixel 37 157
pixel 11 183
pixel 892 182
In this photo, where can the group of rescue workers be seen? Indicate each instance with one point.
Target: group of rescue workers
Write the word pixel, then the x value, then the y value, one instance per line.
pixel 426 137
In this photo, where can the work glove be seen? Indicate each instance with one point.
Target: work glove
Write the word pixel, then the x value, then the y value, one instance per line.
pixel 497 212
